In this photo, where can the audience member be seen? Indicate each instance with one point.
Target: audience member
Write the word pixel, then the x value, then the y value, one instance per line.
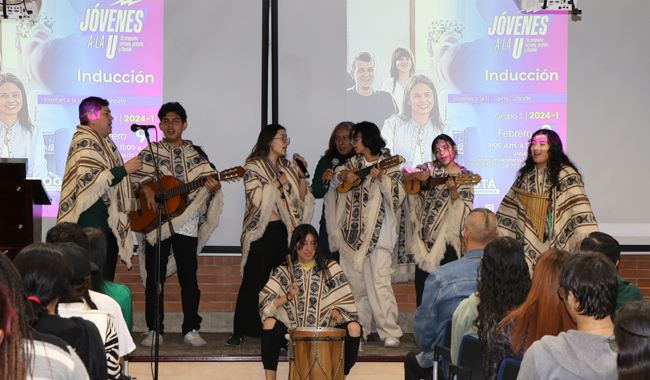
pixel 42 357
pixel 632 332
pixel 543 313
pixel 77 303
pixel 67 232
pixel 46 277
pixel 444 289
pixel 502 286
pixel 588 287
pixel 118 292
pixel 601 242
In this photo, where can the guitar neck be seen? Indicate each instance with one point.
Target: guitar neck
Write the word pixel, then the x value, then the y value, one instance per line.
pixel 188 187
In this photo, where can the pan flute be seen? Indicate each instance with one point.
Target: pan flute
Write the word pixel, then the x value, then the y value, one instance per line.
pixel 536 207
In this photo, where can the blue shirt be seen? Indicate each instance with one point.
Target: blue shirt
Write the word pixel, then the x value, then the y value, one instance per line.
pixel 444 290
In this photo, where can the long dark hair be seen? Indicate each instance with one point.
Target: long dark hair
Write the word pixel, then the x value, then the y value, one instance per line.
pixel 370 136
pixel 97 244
pixel 556 157
pixel 394 71
pixel 503 285
pixel 14 360
pixel 263 145
pixel 632 332
pixel 331 148
pixel 46 275
pixel 298 240
pixel 407 111
pixel 23 114
pixel 448 140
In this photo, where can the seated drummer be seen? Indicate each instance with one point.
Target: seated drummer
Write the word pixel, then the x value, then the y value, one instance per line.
pixel 282 301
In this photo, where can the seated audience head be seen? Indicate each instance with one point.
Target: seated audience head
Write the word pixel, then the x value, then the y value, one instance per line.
pixel 542 313
pixel 601 242
pixel 80 279
pixel 589 286
pixel 632 332
pixel 97 246
pixel 480 228
pixel 367 135
pixel 67 232
pixel 340 141
pixel 46 277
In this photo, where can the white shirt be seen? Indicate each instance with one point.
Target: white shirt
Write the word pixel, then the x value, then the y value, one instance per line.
pixel 110 306
pixel 398 94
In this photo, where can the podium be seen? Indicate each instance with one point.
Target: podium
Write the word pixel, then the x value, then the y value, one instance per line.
pixel 20 206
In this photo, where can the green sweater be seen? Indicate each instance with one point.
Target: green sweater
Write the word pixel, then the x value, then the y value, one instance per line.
pixel 97 214
pixel 122 295
pixel 626 292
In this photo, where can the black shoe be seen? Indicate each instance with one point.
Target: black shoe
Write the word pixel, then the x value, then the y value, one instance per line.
pixel 370 338
pixel 235 340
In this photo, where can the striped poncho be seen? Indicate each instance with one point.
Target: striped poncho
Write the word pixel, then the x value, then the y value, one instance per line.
pixel 318 297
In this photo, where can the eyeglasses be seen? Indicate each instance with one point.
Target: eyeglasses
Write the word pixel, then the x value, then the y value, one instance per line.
pixel 342 138
pixel 561 293
pixel 612 343
pixel 284 139
pixel 356 138
pixel 462 232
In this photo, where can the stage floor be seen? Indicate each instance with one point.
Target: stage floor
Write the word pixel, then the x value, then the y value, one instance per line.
pixel 174 350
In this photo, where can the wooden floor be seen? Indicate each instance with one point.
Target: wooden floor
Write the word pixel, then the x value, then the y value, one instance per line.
pixel 254 370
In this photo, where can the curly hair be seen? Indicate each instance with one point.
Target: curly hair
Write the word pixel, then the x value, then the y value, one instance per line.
pixel 556 158
pixel 632 332
pixel 503 285
pixel 14 359
pixel 370 136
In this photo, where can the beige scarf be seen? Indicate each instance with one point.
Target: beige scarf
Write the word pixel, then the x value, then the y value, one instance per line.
pixel 88 178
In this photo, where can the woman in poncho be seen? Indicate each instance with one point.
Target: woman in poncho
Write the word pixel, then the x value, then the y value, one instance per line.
pixel 547 206
pixel 319 282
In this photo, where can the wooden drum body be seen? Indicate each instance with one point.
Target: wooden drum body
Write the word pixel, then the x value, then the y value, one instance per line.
pixel 317 353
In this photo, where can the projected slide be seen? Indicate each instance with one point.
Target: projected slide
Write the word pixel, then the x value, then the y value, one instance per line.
pixel 483 72
pixel 74 49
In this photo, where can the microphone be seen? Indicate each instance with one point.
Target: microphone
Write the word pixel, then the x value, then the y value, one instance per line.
pixel 335 163
pixel 136 127
pixel 300 164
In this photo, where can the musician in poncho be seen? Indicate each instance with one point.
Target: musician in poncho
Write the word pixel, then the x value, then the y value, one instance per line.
pixel 96 190
pixel 364 230
pixel 438 214
pixel 277 201
pixel 186 162
pixel 315 294
pixel 547 206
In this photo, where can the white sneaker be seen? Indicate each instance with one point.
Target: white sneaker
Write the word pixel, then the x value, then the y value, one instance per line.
pixel 391 342
pixel 148 340
pixel 193 338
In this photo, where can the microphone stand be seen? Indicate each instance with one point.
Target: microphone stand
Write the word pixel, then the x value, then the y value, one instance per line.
pixel 161 200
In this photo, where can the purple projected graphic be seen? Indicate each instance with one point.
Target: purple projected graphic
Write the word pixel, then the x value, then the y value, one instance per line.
pixel 74 49
pixel 496 74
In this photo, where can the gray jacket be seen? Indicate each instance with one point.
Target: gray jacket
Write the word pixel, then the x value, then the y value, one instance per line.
pixel 570 355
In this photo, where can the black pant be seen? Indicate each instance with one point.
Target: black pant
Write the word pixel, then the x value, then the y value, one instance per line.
pixel 412 369
pixel 187 264
pixel 421 276
pixel 112 252
pixel 265 254
pixel 273 340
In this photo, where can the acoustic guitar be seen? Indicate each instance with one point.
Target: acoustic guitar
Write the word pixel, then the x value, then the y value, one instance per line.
pixel 414 186
pixel 363 173
pixel 146 220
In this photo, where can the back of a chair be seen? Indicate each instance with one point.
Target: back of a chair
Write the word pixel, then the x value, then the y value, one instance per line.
pixel 471 356
pixel 509 369
pixel 444 353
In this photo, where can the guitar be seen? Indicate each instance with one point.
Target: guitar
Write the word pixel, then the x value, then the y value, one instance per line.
pixel 175 191
pixel 414 186
pixel 363 173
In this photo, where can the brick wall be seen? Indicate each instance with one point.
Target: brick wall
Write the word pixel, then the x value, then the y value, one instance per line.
pixel 219 282
pixel 635 268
